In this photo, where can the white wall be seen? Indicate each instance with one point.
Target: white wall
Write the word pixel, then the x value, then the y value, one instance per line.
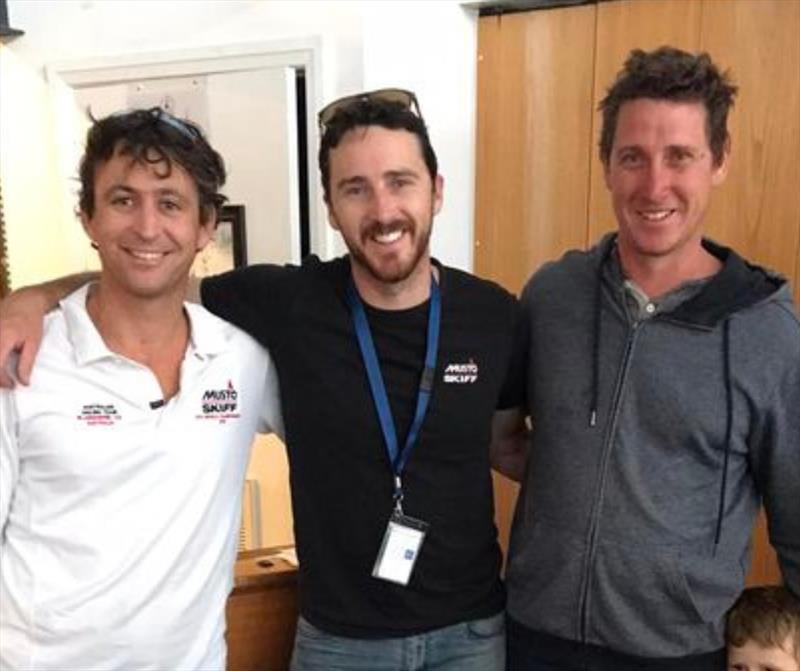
pixel 427 46
pixel 32 194
pixel 431 48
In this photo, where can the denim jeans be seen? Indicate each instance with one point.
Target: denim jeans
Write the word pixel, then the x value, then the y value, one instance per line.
pixel 479 645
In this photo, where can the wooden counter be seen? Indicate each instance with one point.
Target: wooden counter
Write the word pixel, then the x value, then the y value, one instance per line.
pixel 261 613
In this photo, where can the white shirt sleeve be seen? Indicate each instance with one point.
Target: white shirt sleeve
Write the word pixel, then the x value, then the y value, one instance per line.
pixel 9 455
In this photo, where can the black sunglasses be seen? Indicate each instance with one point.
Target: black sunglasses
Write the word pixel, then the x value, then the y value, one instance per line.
pixel 401 96
pixel 179 125
pixel 157 115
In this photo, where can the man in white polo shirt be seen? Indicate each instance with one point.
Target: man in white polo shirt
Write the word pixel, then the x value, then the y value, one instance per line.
pixel 122 464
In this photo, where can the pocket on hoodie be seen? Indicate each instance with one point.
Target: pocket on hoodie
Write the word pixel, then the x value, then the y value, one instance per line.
pixel 643 603
pixel 543 578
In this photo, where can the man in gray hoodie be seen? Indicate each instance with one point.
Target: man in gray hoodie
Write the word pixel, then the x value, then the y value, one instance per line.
pixel 664 398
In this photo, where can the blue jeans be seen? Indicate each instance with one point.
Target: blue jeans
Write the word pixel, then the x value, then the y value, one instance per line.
pixel 479 645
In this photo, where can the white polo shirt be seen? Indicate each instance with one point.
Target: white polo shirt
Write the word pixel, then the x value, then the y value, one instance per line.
pixel 119 522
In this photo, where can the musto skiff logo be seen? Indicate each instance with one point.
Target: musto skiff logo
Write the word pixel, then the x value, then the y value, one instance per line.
pixel 220 404
pixel 461 373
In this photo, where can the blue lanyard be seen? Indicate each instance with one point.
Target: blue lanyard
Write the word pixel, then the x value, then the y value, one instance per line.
pixel 397 458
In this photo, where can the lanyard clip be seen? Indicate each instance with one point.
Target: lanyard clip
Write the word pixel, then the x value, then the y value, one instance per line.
pixel 398 495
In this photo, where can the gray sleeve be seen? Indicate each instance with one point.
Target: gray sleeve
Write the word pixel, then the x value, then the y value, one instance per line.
pixel 775 459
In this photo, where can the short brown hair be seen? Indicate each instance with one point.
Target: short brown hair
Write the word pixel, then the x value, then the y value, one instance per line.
pixel 766 615
pixel 678 76
pixel 365 112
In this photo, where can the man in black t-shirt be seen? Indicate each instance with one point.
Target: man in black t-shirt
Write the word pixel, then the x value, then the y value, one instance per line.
pixel 396 373
pixel 390 464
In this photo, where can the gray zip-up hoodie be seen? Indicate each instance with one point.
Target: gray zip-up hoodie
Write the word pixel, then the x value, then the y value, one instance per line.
pixel 654 442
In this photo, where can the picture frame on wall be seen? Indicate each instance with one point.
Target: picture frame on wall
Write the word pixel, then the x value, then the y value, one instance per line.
pixel 228 249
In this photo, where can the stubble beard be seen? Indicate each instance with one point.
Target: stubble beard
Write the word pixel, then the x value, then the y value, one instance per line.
pixel 394 272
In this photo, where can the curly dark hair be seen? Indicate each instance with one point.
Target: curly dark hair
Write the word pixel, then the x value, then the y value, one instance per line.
pixel 364 112
pixel 153 137
pixel 766 615
pixel 671 74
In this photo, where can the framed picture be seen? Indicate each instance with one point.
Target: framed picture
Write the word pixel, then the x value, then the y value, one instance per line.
pixel 228 249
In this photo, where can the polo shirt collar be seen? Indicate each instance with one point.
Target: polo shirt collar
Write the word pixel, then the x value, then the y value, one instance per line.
pixel 207 335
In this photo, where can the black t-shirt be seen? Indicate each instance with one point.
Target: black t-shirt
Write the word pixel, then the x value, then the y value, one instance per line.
pixel 340 473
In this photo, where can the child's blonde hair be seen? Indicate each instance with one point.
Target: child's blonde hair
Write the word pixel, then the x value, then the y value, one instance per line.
pixel 767 615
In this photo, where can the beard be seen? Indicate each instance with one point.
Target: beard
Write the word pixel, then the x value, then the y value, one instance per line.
pixel 398 268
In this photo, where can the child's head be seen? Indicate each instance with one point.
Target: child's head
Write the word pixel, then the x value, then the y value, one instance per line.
pixel 763 631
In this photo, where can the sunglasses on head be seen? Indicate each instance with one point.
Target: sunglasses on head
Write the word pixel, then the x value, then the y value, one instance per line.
pixel 183 128
pixel 400 96
pixel 157 115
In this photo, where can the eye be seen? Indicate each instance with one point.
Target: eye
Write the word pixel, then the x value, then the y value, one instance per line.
pixel 171 205
pixel 122 201
pixel 680 157
pixel 353 190
pixel 400 182
pixel 630 159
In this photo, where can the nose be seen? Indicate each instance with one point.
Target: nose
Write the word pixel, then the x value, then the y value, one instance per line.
pixel 147 220
pixel 657 180
pixel 383 205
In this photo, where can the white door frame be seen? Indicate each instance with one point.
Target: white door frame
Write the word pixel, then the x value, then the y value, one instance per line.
pixel 299 52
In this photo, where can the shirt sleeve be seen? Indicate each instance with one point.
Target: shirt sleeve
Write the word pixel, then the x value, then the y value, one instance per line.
pixel 9 455
pixel 256 298
pixel 513 391
pixel 775 459
pixel 271 420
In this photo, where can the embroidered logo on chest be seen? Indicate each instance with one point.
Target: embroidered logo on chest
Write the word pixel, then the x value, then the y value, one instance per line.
pixel 99 414
pixel 461 373
pixel 220 404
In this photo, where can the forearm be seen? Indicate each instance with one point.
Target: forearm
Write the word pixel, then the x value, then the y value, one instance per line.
pixel 43 297
pixel 21 317
pixel 509 449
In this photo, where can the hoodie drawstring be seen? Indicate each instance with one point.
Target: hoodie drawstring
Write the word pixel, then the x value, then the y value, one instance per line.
pixel 726 349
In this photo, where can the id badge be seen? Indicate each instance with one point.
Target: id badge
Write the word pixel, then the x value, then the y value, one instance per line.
pixel 400 548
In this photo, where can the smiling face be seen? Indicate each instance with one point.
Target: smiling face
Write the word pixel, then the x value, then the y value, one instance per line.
pixel 383 200
pixel 660 173
pixel 146 226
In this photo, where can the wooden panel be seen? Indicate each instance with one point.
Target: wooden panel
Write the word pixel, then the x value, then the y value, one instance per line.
pixel 621 26
pixel 757 210
pixel 534 126
pixel 533 136
pixel 261 614
pixel 764 563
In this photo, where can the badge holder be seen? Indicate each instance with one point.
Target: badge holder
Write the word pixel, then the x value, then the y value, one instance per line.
pixel 400 547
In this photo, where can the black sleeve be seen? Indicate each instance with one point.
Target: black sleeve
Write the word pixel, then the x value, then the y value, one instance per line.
pixel 257 299
pixel 513 391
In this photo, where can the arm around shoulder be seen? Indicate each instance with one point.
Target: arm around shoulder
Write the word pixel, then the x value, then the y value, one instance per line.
pixel 21 317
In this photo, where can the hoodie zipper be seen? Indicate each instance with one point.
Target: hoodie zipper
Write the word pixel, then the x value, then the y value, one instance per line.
pixel 622 377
